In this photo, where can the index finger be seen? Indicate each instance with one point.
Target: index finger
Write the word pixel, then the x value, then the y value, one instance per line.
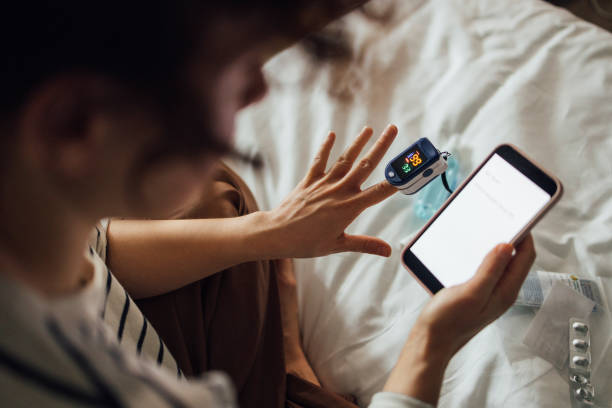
pixel 374 194
pixel 366 165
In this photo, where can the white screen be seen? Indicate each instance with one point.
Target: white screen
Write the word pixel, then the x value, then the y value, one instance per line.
pixel 492 208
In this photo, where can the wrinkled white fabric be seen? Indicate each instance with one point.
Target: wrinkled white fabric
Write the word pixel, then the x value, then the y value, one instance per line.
pixel 393 400
pixel 468 75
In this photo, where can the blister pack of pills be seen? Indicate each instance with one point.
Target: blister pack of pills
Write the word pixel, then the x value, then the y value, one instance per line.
pixel 582 393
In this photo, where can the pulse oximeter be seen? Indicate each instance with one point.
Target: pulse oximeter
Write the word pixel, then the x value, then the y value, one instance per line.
pixel 416 166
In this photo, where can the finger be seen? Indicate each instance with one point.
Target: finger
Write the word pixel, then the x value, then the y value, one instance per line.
pixel 367 164
pixel 490 271
pixel 345 161
pixel 507 289
pixel 364 244
pixel 317 170
pixel 375 194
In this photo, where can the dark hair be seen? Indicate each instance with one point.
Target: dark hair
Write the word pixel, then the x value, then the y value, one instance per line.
pixel 142 44
pixel 130 41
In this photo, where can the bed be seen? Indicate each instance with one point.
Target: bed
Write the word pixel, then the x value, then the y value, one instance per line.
pixel 468 75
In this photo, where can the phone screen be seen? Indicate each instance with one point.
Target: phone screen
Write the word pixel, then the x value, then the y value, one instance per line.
pixel 497 203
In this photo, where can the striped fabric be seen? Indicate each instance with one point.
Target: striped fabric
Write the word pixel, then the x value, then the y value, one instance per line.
pixel 92 349
pixel 123 315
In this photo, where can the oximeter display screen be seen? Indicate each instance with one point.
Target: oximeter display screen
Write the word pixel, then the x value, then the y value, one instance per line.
pixel 407 163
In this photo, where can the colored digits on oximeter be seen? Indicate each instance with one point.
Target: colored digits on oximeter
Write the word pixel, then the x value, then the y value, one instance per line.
pixel 413 160
pixel 410 161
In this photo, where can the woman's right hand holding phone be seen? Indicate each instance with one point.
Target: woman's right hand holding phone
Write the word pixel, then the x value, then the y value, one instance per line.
pixel 454 315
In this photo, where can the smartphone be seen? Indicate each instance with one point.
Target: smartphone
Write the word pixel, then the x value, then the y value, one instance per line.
pixel 498 203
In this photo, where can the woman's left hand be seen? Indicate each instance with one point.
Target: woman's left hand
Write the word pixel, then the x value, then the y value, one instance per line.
pixel 454 315
pixel 311 220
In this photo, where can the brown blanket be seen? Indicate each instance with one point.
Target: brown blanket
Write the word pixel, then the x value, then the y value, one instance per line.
pixel 231 321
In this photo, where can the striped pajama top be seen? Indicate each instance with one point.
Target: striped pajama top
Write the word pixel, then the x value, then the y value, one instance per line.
pixel 93 348
pixel 121 314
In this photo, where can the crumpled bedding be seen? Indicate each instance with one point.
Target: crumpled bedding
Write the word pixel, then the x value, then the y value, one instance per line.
pixel 469 75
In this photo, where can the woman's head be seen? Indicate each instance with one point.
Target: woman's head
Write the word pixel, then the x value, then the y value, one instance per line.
pixel 134 100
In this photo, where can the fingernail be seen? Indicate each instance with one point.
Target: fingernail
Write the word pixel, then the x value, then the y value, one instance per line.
pixel 504 250
pixel 391 126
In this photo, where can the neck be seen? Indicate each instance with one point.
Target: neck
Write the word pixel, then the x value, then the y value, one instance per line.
pixel 42 239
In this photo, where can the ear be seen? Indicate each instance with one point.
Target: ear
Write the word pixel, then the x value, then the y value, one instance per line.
pixel 62 124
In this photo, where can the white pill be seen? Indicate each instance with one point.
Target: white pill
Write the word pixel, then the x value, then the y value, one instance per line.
pixel 580 361
pixel 580 327
pixel 580 344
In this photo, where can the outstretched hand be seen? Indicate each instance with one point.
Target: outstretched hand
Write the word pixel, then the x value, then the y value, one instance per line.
pixel 311 221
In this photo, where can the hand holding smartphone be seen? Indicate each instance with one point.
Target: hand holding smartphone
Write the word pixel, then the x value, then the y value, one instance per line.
pixel 462 246
pixel 498 203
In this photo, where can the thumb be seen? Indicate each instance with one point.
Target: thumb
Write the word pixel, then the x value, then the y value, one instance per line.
pixel 491 270
pixel 364 244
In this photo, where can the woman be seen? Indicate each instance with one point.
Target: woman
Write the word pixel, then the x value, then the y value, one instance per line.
pixel 122 110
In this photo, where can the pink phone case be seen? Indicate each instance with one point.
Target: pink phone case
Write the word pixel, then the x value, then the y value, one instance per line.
pixel 522 233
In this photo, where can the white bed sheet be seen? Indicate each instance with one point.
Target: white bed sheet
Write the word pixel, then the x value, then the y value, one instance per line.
pixel 468 75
